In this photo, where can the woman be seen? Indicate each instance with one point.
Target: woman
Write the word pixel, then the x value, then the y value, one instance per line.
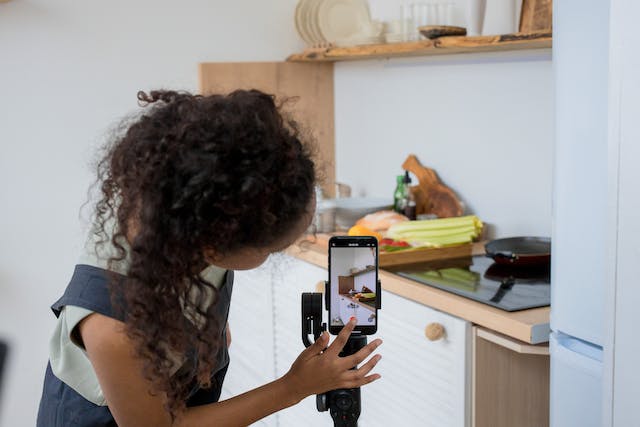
pixel 194 188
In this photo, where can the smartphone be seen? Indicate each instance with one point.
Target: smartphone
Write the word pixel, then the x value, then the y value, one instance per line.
pixel 353 290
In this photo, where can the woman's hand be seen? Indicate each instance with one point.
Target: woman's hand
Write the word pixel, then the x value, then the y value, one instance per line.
pixel 319 369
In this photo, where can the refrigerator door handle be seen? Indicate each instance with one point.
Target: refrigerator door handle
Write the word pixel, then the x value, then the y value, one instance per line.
pixel 579 354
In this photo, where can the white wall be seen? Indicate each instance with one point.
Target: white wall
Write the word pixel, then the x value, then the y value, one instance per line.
pixel 367 279
pixel 68 70
pixel 483 122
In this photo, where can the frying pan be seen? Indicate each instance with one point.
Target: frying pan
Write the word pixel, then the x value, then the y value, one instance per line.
pixel 520 251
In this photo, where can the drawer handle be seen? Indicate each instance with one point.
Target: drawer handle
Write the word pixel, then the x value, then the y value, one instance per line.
pixel 434 331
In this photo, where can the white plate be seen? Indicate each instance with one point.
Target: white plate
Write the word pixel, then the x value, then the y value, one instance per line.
pixel 342 19
pixel 304 19
pixel 311 21
pixel 299 22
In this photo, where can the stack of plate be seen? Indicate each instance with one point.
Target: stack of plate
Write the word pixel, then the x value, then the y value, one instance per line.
pixel 342 22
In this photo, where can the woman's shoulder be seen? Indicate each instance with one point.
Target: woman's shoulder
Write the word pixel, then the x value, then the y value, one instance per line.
pixel 90 288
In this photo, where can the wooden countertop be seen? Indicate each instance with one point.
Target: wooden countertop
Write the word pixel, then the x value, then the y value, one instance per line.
pixel 530 326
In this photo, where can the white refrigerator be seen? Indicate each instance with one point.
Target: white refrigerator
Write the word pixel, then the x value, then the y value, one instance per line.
pixel 595 300
pixel 579 226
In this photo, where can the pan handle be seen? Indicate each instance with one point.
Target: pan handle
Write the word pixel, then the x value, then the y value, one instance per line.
pixel 503 256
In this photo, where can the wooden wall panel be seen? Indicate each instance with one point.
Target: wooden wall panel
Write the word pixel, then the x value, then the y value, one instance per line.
pixel 311 84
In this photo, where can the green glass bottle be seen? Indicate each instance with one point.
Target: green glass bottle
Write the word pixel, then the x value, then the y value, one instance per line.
pixel 399 193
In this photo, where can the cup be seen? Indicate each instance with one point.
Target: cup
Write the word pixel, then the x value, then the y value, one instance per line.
pixel 419 14
pixel 475 17
pixel 409 30
pixel 325 217
pixel 501 17
pixel 449 12
pixel 371 29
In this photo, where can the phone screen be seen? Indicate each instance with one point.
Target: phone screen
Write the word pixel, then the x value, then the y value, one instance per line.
pixel 353 279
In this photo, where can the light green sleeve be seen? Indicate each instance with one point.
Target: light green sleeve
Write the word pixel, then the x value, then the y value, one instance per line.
pixel 69 361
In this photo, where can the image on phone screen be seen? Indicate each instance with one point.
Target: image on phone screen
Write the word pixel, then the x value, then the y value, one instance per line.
pixel 353 275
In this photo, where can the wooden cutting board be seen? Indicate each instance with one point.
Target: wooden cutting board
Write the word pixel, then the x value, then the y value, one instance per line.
pixel 419 255
pixel 536 15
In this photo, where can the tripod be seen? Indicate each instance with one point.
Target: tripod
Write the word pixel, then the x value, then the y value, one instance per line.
pixel 342 404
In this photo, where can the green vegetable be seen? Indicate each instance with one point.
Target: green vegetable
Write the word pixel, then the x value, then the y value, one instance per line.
pixel 437 232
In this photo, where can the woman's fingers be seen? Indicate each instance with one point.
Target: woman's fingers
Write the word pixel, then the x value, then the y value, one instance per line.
pixel 338 344
pixel 363 353
pixel 359 382
pixel 367 367
pixel 317 347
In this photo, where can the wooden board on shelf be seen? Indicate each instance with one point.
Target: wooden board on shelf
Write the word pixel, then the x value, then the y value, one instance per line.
pixel 415 256
pixel 439 46
pixel 536 15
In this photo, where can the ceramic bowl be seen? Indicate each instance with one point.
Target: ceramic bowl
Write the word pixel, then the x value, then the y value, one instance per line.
pixel 351 209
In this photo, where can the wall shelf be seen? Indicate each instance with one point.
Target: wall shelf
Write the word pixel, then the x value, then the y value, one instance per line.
pixel 439 46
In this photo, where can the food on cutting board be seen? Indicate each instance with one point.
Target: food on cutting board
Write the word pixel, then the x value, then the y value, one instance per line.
pixel 360 230
pixel 381 220
pixel 437 232
pixel 396 233
pixel 365 296
pixel 391 245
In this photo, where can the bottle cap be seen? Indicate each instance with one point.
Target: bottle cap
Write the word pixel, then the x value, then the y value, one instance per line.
pixel 407 178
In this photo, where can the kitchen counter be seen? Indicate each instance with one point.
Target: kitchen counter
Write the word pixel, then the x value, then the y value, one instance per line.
pixel 530 326
pixel 366 305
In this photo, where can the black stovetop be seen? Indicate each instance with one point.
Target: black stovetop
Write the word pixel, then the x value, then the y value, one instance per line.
pixel 480 279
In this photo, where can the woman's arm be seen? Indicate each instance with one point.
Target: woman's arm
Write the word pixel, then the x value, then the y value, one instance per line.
pixel 131 403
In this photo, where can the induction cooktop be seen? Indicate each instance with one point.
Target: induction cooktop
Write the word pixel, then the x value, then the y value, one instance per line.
pixel 479 278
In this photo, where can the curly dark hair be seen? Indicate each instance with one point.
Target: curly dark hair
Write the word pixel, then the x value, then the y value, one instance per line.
pixel 192 173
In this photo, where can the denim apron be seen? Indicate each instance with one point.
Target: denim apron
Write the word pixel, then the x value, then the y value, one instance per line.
pixel 62 406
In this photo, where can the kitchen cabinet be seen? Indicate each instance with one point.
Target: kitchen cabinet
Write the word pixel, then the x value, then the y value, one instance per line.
pixel 252 334
pixel 423 382
pixel 266 331
pixel 510 381
pixel 508 371
pixel 290 278
pixel 468 376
